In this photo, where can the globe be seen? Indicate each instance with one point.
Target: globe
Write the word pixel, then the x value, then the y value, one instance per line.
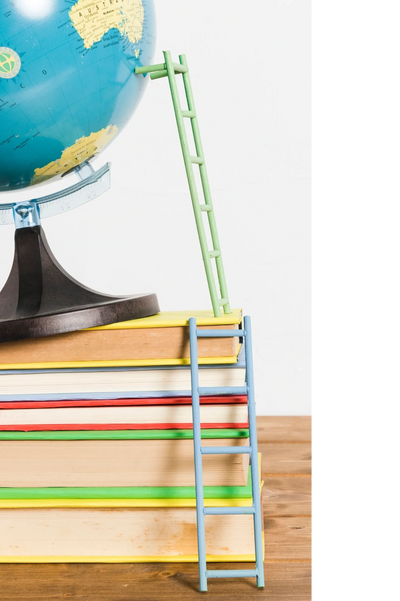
pixel 67 82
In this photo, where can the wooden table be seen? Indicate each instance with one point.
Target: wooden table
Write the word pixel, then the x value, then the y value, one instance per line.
pixel 285 443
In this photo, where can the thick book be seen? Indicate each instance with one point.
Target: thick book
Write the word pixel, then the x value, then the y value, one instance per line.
pixel 128 496
pixel 162 339
pixel 122 524
pixel 120 534
pixel 118 458
pixel 120 415
pixel 118 382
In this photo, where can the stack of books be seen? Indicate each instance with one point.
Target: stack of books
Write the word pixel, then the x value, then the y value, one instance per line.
pixel 96 444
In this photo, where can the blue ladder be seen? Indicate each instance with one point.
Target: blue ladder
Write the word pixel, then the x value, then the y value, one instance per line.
pixel 199 450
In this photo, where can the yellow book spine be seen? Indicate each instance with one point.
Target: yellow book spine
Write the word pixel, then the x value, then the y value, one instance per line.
pixel 126 559
pixel 170 319
pixel 109 503
pixel 123 363
pixel 122 559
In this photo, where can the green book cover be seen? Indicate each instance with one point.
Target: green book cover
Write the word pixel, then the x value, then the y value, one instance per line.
pixel 124 434
pixel 129 492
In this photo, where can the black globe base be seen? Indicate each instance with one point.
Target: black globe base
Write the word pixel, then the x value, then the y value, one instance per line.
pixel 40 298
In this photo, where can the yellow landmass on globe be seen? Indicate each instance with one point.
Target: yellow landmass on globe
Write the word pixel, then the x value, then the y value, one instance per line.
pixel 93 18
pixel 83 149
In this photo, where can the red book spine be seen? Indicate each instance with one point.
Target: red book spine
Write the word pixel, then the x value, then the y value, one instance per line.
pixel 205 400
pixel 62 427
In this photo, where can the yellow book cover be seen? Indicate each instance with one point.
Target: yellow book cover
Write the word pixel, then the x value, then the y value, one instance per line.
pixel 121 530
pixel 160 340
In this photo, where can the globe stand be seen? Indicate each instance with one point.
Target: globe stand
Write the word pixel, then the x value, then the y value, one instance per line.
pixel 40 298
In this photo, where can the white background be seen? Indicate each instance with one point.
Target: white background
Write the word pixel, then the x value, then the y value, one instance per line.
pixel 250 71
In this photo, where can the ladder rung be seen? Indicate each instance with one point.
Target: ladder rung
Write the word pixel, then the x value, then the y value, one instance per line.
pixel 210 390
pixel 178 68
pixel 229 510
pixel 206 208
pixel 214 254
pixel 223 301
pixel 231 573
pixel 189 114
pixel 150 69
pixel 219 333
pixel 197 160
pixel 225 450
pixel 159 74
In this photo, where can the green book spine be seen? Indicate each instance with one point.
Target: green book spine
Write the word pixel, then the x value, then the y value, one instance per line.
pixel 124 434
pixel 129 492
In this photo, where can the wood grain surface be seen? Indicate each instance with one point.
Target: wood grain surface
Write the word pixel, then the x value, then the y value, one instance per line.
pixel 286 446
pixel 284 429
pixel 286 459
pixel 285 581
pixel 287 496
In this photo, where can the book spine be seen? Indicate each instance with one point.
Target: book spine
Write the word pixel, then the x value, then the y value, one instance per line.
pixel 123 559
pixel 211 400
pixel 124 434
pixel 111 427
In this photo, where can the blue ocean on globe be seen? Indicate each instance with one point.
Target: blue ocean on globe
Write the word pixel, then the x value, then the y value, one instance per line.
pixel 67 82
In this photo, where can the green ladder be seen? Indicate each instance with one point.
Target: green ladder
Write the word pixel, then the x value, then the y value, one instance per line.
pixel 170 69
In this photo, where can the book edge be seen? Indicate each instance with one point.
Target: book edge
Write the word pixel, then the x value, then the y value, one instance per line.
pixel 123 434
pixel 170 319
pixel 124 559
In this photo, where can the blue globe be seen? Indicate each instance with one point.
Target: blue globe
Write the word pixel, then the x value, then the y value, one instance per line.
pixel 67 82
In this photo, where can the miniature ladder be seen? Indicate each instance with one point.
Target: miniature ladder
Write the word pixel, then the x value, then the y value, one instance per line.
pixel 170 69
pixel 199 450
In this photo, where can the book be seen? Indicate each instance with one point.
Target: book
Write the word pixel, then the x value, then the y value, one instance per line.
pixel 122 524
pixel 96 444
pixel 181 400
pixel 118 458
pixel 119 382
pixel 128 496
pixel 120 534
pixel 116 416
pixel 155 340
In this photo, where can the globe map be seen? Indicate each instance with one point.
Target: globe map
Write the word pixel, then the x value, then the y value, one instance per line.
pixel 67 82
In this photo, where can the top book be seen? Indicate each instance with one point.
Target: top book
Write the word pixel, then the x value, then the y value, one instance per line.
pixel 161 339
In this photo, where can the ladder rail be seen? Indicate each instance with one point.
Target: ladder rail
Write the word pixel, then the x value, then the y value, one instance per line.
pixel 255 485
pixel 219 298
pixel 252 450
pixel 192 182
pixel 205 181
pixel 198 464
